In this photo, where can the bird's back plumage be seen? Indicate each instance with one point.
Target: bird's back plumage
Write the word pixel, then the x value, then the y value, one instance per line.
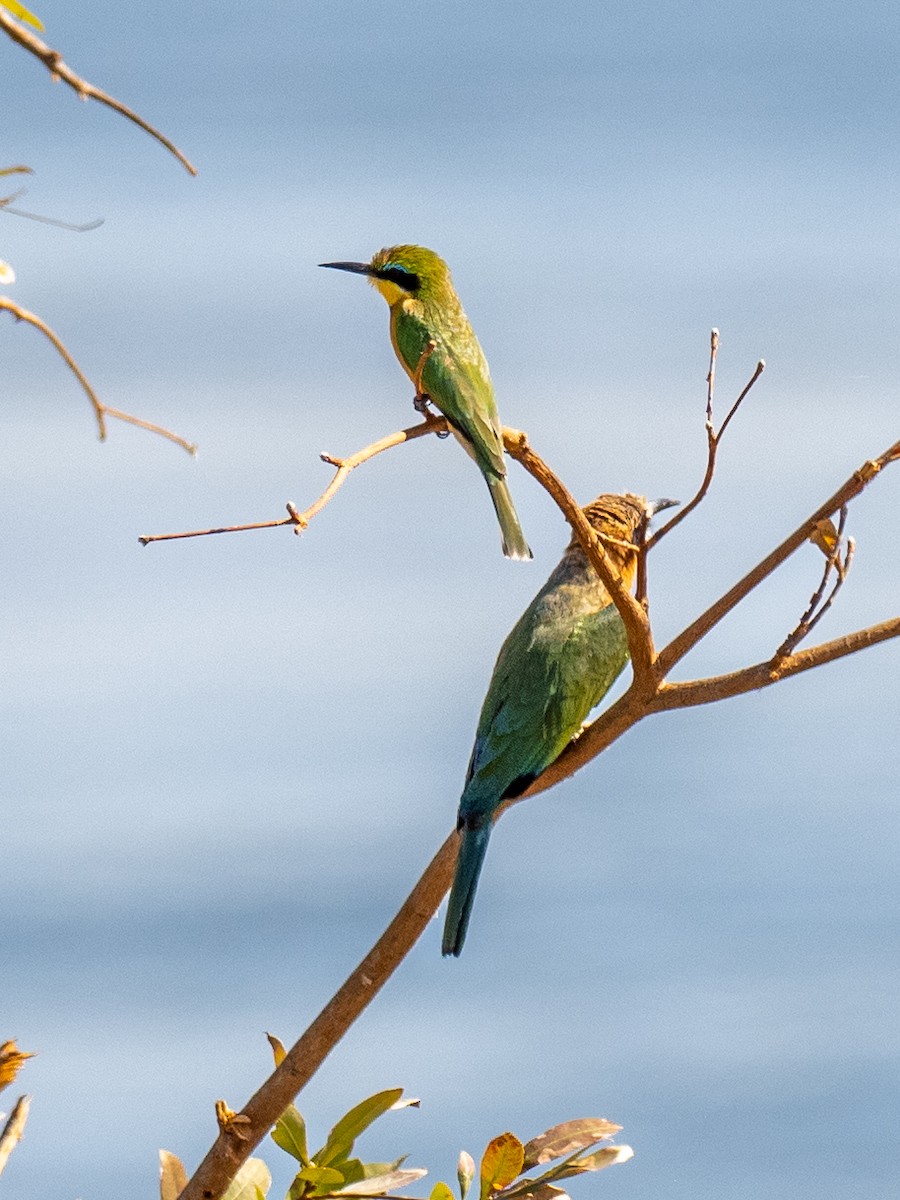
pixel 556 665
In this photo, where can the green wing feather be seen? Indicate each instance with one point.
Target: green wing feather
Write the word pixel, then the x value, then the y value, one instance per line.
pixel 459 384
pixel 549 675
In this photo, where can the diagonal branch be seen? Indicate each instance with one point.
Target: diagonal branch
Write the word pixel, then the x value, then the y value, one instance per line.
pixel 302 1061
pixel 689 637
pixel 633 614
pixel 101 410
pixel 764 674
pixel 58 69
pixel 232 1147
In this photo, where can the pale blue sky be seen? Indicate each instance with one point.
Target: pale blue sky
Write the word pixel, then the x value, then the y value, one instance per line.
pixel 226 761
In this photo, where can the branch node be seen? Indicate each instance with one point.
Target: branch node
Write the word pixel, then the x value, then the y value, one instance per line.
pixel 230 1122
pixel 868 471
pixel 301 523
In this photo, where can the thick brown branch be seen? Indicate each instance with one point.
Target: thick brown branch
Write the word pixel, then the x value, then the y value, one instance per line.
pixel 230 1151
pixel 101 410
pixel 303 1060
pixel 58 69
pixel 689 637
pixel 764 674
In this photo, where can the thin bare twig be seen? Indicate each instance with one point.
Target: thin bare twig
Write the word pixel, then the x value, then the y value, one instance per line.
pixel 13 1129
pixel 101 410
pixel 713 440
pixel 343 468
pixel 817 606
pixel 58 69
pixel 84 227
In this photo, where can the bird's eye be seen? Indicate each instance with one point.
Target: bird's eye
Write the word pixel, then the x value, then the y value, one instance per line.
pixel 408 280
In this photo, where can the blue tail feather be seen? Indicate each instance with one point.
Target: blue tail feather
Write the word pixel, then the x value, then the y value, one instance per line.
pixel 472 849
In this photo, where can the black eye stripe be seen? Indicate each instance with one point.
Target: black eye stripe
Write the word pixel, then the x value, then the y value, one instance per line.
pixel 408 280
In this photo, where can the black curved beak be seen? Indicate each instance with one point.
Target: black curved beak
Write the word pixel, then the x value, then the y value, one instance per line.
pixel 657 506
pixel 356 268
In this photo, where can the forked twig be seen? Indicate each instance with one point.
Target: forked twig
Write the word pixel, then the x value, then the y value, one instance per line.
pixel 698 629
pixel 830 541
pixel 101 410
pixel 343 468
pixel 516 444
pixel 713 440
pixel 58 69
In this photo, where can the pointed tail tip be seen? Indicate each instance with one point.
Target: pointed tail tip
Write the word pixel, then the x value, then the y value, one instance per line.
pixel 518 551
pixel 455 926
pixel 512 537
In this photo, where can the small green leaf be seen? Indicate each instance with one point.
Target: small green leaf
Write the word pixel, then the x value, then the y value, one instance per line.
pixel 566 1139
pixel 323 1179
pixel 172 1176
pixel 252 1182
pixel 351 1125
pixel 465 1172
pixel 501 1163
pixel 440 1191
pixel 20 11
pixel 290 1134
pixel 353 1170
pixel 298 1189
pixel 380 1185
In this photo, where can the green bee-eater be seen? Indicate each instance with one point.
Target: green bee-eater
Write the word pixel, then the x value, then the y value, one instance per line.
pixel 425 309
pixel 559 661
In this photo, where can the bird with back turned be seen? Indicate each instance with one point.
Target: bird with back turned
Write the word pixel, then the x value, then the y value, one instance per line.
pixel 559 661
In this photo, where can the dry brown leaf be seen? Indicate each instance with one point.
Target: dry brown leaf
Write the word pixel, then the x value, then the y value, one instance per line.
pixel 11 1060
pixel 566 1139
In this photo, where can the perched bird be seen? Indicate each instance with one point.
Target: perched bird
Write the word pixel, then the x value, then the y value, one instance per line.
pixel 559 661
pixel 454 374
